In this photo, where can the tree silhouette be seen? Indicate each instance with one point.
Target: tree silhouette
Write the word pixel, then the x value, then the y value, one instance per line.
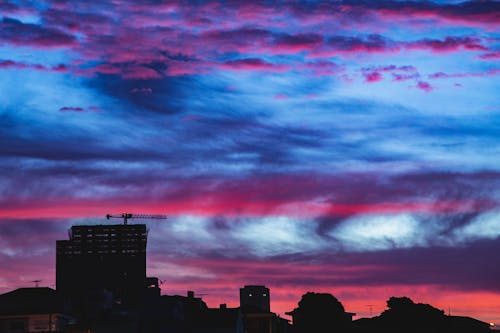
pixel 399 303
pixel 402 312
pixel 319 312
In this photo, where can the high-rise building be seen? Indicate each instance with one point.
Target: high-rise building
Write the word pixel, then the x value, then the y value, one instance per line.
pixel 255 298
pixel 102 260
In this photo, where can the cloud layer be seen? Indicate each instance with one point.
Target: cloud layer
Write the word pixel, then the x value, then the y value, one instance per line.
pixel 348 147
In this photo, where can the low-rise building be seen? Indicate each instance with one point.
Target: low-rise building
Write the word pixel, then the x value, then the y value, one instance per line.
pixel 27 310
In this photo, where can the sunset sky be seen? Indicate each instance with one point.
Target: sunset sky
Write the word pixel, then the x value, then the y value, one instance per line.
pixel 349 147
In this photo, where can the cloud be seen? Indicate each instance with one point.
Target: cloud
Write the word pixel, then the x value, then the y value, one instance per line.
pixel 372 76
pixel 11 64
pixel 424 86
pixel 399 73
pixel 369 43
pixel 365 233
pixel 253 64
pixel 77 21
pixel 71 108
pixel 296 43
pixel 483 226
pixel 140 72
pixel 15 32
pixel 341 187
pixel 490 55
pixel 271 236
pixel 468 13
pixel 322 67
pixel 441 75
pixel 449 44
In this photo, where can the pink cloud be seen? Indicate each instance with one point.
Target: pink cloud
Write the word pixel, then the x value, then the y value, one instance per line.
pixel 178 68
pixel 404 77
pixel 371 77
pixel 490 56
pixel 425 86
pixel 399 73
pixel 468 13
pixel 106 69
pixel 253 64
pixel 140 72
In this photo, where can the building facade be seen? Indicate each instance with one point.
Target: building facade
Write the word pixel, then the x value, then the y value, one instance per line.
pixel 255 298
pixel 102 260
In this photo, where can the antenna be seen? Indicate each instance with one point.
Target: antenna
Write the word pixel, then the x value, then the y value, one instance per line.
pixel 370 306
pixel 36 282
pixel 126 216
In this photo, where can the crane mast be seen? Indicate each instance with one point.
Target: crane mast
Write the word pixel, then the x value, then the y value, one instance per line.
pixel 127 216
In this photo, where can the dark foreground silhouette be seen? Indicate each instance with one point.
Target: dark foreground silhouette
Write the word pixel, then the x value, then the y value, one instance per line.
pixel 43 310
pixel 324 313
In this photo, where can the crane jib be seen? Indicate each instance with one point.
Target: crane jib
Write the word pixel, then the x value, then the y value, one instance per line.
pixel 126 216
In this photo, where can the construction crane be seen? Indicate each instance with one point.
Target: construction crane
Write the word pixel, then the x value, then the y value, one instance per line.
pixel 126 216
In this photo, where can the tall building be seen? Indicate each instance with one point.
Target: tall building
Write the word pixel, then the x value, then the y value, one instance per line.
pixel 255 298
pixel 102 261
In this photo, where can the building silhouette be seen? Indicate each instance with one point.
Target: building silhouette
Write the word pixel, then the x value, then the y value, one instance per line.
pixel 255 298
pixel 32 310
pixel 102 264
pixel 255 305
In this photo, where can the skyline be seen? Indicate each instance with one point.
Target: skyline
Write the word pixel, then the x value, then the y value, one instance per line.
pixel 347 147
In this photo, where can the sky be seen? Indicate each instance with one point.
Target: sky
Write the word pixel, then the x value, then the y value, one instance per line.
pixel 349 147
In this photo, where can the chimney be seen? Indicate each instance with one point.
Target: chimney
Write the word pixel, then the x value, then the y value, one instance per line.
pixel 190 294
pixel 223 306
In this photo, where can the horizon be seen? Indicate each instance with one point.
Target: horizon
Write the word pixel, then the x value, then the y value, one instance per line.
pixel 348 147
